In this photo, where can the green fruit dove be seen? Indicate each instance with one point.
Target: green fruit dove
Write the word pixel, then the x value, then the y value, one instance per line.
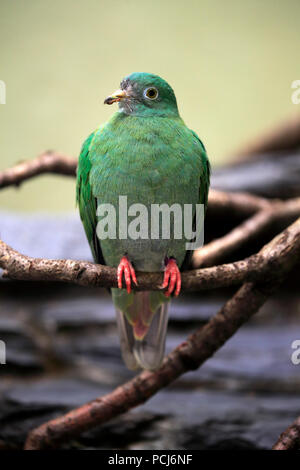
pixel 147 154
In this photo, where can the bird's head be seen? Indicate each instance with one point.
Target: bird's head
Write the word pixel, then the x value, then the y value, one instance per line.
pixel 145 94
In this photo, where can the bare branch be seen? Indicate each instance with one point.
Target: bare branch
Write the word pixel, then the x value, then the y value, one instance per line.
pixel 290 438
pixel 260 274
pixel 48 162
pixel 20 267
pixel 213 252
pixel 254 268
pixel 236 203
pixel 52 162
pixel 187 356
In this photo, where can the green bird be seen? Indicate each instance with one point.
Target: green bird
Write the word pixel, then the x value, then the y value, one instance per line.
pixel 146 154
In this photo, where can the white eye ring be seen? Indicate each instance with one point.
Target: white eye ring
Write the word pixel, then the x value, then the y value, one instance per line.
pixel 151 93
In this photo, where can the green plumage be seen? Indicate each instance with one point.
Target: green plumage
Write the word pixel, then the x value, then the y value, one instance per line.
pixel 144 152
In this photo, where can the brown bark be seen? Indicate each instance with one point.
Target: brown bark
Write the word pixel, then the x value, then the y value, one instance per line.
pixel 260 275
pixel 187 356
pixel 52 162
pixel 48 162
pixel 290 438
pixel 254 268
pixel 213 252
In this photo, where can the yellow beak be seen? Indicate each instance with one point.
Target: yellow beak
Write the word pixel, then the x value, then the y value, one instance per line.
pixel 116 96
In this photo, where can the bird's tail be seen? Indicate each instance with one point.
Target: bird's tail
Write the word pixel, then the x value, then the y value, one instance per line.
pixel 142 324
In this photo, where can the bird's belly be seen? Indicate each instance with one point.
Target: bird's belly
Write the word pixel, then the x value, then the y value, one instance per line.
pixel 146 251
pixel 142 237
pixel 145 183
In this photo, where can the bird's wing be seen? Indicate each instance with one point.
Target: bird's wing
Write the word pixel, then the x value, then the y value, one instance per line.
pixel 204 175
pixel 203 191
pixel 86 201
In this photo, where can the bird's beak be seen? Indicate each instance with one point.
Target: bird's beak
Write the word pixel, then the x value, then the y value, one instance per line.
pixel 118 95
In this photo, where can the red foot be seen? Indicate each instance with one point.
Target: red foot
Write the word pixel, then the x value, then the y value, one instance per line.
pixel 126 267
pixel 172 277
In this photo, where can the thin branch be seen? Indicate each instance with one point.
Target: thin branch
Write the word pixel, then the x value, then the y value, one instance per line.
pixel 189 355
pixel 213 252
pixel 260 274
pixel 236 203
pixel 52 162
pixel 254 268
pixel 290 438
pixel 48 162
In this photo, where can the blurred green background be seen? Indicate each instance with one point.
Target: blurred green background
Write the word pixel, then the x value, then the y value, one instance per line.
pixel 230 63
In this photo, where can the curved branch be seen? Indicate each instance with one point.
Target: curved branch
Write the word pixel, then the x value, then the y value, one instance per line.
pixel 236 203
pixel 48 162
pixel 187 356
pixel 215 251
pixel 290 438
pixel 261 274
pixel 53 162
pixel 254 268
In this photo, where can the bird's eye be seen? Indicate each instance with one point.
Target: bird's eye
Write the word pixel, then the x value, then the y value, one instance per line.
pixel 151 93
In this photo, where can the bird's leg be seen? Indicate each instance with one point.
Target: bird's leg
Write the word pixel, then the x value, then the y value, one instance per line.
pixel 172 277
pixel 126 268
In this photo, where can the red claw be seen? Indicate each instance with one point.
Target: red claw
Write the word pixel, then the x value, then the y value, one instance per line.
pixel 172 277
pixel 126 267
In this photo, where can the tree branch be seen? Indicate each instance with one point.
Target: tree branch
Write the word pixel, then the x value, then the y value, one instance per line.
pixel 56 163
pixel 187 356
pixel 213 252
pixel 260 273
pixel 244 204
pixel 290 438
pixel 254 268
pixel 48 162
pixel 264 213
